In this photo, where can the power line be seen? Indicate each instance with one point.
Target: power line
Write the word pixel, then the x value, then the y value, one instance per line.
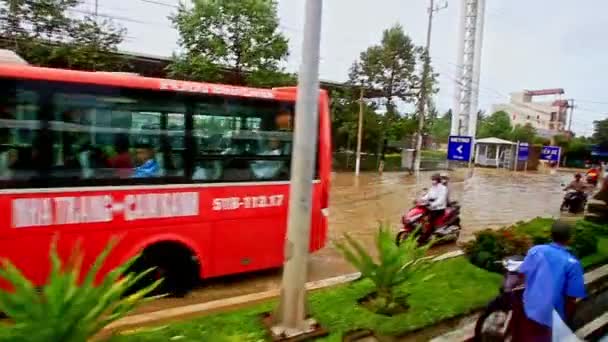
pixel 114 17
pixel 160 3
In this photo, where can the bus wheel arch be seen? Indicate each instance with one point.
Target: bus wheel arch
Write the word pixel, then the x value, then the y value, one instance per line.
pixel 175 262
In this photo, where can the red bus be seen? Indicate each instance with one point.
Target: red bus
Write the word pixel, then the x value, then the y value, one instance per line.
pixel 194 176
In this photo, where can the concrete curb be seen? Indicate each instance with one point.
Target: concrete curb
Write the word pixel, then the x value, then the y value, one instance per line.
pixel 593 326
pixel 468 332
pixel 201 309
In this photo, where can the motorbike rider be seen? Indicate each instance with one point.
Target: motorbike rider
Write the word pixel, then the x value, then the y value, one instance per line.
pixel 437 196
pixel 577 184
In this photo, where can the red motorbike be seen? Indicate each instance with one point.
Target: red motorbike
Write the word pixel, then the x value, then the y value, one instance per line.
pixel 593 177
pixel 445 229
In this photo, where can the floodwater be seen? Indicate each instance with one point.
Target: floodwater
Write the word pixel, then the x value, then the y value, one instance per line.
pixel 490 198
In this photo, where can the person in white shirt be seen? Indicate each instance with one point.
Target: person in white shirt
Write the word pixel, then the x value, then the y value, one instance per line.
pixel 437 196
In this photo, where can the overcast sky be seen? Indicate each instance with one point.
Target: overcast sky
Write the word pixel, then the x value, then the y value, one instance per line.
pixel 528 44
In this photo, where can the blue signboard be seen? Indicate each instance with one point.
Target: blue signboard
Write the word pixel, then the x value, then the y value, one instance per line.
pixel 523 150
pixel 459 148
pixel 550 153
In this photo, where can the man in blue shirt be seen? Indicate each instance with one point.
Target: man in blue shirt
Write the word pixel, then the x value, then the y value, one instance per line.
pixel 147 166
pixel 553 281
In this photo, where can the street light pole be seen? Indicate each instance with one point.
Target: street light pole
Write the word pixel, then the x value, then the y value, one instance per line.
pixel 359 134
pixel 291 319
pixel 425 75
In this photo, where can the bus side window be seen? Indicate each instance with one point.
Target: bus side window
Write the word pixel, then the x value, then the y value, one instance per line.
pixel 242 140
pixel 19 133
pixel 105 133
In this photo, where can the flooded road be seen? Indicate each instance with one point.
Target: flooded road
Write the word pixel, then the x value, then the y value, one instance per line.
pixel 489 198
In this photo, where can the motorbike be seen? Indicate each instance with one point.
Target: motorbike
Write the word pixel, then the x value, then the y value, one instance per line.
pixel 574 202
pixel 446 228
pixel 494 324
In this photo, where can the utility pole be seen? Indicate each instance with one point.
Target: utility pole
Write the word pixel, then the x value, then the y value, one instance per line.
pixel 571 105
pixel 359 134
pixel 425 76
pixel 291 317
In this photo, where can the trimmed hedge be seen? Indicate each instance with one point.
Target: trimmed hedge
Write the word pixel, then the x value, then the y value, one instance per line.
pixel 491 246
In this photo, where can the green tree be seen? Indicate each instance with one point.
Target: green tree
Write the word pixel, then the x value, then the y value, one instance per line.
pixel 497 125
pixel 233 41
pixel 439 128
pixel 391 68
pixel 525 133
pixel 44 34
pixel 345 121
pixel 600 132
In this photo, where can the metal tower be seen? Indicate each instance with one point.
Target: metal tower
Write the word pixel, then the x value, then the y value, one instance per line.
pixel 464 109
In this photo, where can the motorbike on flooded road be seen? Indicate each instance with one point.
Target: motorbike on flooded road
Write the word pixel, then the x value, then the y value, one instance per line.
pixel 446 228
pixel 574 201
pixel 495 322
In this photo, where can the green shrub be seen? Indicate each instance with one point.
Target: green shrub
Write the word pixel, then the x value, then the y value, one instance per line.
pixel 395 265
pixel 69 308
pixel 491 246
pixel 584 242
pixel 598 229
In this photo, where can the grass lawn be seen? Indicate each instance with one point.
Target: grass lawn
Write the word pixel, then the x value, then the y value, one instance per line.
pixel 449 288
pixel 434 154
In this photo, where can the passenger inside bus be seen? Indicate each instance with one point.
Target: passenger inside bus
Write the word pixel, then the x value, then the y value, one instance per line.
pixel 271 168
pixel 147 166
pixel 8 155
pixel 8 162
pixel 121 162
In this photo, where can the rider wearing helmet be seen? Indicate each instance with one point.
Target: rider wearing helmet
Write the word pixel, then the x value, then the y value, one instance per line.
pixel 437 196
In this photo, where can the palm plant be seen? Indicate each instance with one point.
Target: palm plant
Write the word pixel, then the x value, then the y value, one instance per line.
pixel 69 308
pixel 395 264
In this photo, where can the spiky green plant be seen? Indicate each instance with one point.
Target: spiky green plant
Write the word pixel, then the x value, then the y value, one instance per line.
pixel 395 264
pixel 68 308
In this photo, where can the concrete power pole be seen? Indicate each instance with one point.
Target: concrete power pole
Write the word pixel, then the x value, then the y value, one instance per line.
pixel 359 134
pixel 291 319
pixel 571 105
pixel 425 75
pixel 464 112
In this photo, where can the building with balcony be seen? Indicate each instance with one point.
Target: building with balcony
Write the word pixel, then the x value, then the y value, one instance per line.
pixel 549 117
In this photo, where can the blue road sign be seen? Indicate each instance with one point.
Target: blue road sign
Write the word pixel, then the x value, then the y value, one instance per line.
pixel 550 153
pixel 459 148
pixel 523 151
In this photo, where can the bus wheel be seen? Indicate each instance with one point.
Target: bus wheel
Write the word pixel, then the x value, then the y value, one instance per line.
pixel 172 262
